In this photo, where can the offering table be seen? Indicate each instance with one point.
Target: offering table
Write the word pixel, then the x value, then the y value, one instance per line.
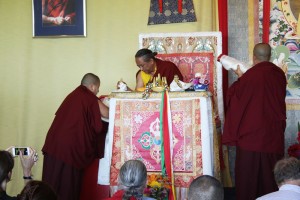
pixel 134 134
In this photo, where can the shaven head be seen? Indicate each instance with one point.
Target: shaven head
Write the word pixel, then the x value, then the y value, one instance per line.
pixel 92 82
pixel 206 188
pixel 89 79
pixel 261 52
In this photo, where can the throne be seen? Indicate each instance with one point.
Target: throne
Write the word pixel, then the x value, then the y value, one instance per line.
pixel 135 122
pixel 192 53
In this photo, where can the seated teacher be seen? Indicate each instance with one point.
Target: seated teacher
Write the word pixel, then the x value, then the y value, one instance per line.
pixel 150 67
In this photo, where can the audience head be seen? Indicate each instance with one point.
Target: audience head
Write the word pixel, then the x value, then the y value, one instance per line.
pixel 287 170
pixel 145 60
pixel 6 166
pixel 92 82
pixel 206 188
pixel 133 178
pixel 261 52
pixel 37 190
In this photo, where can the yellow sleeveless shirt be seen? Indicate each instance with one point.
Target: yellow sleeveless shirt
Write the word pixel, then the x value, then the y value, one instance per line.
pixel 146 78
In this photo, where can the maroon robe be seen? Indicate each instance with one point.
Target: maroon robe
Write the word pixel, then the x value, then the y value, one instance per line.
pixel 166 69
pixel 71 142
pixel 255 122
pixel 59 8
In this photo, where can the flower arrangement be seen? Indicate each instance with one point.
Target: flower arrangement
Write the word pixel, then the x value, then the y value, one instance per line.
pixel 158 187
pixel 294 150
pixel 200 82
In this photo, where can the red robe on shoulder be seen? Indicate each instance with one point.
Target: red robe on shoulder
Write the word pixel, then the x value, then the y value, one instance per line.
pixel 167 69
pixel 255 122
pixel 256 115
pixel 74 134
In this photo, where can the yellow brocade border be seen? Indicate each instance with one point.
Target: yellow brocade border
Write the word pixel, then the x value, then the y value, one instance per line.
pixel 293 106
pixel 155 95
pixel 250 27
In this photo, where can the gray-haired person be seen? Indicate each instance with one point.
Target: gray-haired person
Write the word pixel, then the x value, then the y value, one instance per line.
pixel 132 181
pixel 287 177
pixel 206 188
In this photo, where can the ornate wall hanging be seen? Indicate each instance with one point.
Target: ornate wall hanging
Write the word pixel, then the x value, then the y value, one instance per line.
pixel 171 11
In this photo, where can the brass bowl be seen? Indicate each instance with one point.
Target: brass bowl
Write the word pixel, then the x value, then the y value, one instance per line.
pixel 158 89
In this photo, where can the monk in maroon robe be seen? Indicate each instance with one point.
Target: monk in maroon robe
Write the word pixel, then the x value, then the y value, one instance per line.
pixel 150 67
pixel 255 123
pixel 71 142
pixel 58 12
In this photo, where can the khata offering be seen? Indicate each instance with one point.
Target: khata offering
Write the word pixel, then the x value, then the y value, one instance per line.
pixel 232 63
pixel 121 86
pixel 178 85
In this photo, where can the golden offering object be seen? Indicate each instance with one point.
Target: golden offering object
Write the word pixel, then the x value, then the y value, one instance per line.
pixel 158 89
pixel 159 84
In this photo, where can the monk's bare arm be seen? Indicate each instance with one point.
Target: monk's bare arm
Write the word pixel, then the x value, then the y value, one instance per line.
pixel 238 71
pixel 104 110
pixel 139 81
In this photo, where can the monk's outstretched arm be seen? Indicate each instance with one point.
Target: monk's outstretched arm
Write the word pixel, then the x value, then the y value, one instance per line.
pixel 139 81
pixel 104 110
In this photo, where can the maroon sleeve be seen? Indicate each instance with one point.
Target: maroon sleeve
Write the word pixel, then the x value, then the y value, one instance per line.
pixel 168 70
pixel 233 113
pixel 101 140
pixel 243 100
pixel 72 137
pixel 255 103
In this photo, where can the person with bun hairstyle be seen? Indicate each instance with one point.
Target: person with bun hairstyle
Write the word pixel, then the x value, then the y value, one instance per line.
pixel 132 181
pixel 150 66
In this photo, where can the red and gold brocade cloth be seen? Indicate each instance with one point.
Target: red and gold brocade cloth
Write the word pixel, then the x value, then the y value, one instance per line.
pixel 191 63
pixel 137 136
pixel 194 52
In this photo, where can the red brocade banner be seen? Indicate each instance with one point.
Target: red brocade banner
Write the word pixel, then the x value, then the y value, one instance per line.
pixel 266 20
pixel 179 6
pixel 137 136
pixel 160 4
pixel 223 27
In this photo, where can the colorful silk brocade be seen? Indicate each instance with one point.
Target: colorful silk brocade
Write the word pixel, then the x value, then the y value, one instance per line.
pixel 137 136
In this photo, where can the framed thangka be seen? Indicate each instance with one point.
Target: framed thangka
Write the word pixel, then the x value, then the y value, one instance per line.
pixel 59 18
pixel 285 41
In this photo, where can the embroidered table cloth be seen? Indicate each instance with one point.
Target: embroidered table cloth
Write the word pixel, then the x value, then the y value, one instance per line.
pixel 134 134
